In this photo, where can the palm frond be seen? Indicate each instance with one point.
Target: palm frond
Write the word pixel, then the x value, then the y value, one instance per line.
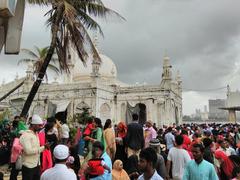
pixel 98 10
pixel 89 22
pixel 77 38
pixel 40 2
pixel 25 61
pixel 31 53
pixel 53 68
pixel 92 47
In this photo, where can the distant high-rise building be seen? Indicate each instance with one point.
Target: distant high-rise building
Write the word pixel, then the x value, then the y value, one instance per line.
pixel 205 108
pixel 214 111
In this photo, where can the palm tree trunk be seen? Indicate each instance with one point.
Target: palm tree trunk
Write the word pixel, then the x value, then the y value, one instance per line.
pixel 43 69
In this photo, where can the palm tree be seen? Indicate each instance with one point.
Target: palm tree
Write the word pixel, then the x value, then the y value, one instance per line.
pixel 37 60
pixel 69 21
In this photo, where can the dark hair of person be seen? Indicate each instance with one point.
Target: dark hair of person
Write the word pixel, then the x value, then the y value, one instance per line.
pixel 59 160
pixel 207 142
pixel 51 119
pixel 98 122
pixel 220 141
pixel 170 129
pixel 49 126
pixel 134 117
pixel 15 124
pixel 184 132
pixel 107 124
pixel 196 135
pixel 150 155
pixel 199 145
pixel 179 140
pixel 89 120
pixel 16 117
pixel 98 144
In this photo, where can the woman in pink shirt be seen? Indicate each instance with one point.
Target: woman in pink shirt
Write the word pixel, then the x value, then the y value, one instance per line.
pixel 15 153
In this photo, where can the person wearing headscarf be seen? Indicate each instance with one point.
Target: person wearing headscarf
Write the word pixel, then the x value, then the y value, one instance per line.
pixel 226 165
pixel 118 173
pixel 120 139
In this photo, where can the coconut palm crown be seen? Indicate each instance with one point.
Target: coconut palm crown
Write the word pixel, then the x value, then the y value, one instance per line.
pixel 37 60
pixel 69 21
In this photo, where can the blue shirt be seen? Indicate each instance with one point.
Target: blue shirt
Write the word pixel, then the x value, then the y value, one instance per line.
pixel 169 138
pixel 202 171
pixel 106 175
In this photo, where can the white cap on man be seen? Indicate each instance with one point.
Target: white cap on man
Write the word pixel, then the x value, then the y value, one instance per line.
pixel 61 152
pixel 36 119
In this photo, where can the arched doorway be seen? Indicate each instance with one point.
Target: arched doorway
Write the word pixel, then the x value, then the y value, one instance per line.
pixel 105 112
pixel 139 109
pixel 142 113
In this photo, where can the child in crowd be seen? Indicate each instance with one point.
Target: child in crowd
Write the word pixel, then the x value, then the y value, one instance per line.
pixel 96 165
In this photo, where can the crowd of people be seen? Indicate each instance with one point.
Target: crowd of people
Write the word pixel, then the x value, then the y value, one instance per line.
pixel 46 150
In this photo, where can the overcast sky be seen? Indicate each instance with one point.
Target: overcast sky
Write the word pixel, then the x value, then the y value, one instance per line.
pixel 201 37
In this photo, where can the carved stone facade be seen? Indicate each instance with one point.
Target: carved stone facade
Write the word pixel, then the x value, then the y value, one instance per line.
pixel 98 88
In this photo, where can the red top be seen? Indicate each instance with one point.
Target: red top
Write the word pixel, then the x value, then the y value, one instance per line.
pixel 96 167
pixel 88 129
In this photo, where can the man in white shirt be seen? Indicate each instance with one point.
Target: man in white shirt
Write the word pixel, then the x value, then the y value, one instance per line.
pixel 147 162
pixel 179 157
pixel 31 150
pixel 60 170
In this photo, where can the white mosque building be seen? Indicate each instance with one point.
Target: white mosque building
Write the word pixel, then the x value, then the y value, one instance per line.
pixel 96 86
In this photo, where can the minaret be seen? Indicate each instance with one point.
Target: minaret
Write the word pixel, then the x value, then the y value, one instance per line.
pixel 166 74
pixel 29 72
pixel 95 63
pixel 179 83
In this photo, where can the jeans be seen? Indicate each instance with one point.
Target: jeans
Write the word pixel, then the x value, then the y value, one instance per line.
pixel 14 172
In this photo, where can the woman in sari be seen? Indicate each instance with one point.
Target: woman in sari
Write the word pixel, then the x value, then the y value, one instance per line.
pixel 109 136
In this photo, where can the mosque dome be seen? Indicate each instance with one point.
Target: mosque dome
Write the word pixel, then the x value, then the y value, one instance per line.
pixel 107 69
